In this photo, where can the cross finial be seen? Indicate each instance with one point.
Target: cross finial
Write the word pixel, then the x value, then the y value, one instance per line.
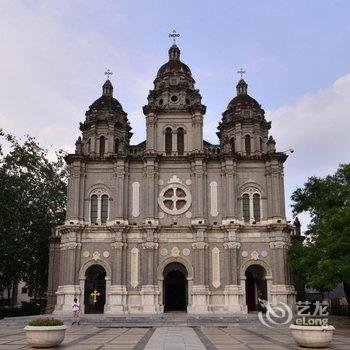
pixel 108 73
pixel 174 35
pixel 94 295
pixel 241 72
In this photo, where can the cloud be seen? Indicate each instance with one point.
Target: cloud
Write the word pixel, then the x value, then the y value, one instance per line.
pixel 317 127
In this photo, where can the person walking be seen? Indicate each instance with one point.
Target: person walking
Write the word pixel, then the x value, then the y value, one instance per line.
pixel 76 311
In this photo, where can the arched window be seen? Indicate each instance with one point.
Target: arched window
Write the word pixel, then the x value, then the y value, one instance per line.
pixel 180 141
pixel 246 207
pixel 168 141
pixel 256 207
pixel 93 209
pixel 102 146
pixel 89 146
pixel 247 145
pixel 232 144
pixel 261 145
pixel 116 145
pixel 104 209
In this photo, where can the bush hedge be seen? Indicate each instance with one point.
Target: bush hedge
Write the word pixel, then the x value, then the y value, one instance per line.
pixel 40 322
pixel 27 309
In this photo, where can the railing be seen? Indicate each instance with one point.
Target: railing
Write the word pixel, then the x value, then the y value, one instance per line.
pixel 339 310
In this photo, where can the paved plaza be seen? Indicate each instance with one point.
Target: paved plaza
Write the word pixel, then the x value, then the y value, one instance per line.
pixel 248 336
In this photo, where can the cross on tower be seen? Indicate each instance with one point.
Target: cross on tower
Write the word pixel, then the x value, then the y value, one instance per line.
pixel 174 35
pixel 241 72
pixel 94 295
pixel 108 73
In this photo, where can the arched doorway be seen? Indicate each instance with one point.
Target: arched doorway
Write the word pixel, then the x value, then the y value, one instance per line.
pixel 175 287
pixel 256 287
pixel 95 289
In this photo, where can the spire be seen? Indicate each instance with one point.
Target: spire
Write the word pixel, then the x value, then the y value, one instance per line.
pixel 242 87
pixel 107 89
pixel 174 53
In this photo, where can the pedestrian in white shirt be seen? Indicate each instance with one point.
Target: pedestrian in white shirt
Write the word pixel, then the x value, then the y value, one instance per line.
pixel 76 311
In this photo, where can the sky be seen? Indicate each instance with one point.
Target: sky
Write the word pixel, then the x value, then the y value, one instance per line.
pixel 296 55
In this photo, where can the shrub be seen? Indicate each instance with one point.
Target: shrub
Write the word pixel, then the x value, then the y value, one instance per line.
pixel 40 322
pixel 27 309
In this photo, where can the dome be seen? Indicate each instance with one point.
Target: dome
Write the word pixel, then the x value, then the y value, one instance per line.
pixel 174 65
pixel 243 99
pixel 106 101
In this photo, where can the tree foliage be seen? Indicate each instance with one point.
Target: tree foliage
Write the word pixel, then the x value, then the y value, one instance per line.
pixel 323 259
pixel 29 184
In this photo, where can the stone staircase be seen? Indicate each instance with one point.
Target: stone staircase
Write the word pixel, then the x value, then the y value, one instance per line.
pixel 160 320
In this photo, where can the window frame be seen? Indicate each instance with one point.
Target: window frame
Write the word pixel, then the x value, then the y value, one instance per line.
pixel 99 193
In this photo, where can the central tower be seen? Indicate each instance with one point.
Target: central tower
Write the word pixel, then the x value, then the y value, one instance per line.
pixel 174 113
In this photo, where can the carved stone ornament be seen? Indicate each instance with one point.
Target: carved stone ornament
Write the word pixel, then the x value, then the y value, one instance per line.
pixel 186 252
pixel 264 253
pixel 150 245
pixel 199 245
pixel 164 252
pixel 175 198
pixel 70 245
pixel 105 254
pixel 175 252
pixel 244 253
pixel 86 254
pixel 232 245
pixel 254 255
pixel 96 255
pixel 117 245
pixel 278 244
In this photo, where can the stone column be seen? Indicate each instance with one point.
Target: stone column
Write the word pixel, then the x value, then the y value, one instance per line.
pixel 269 192
pixel 200 291
pixel 119 173
pixel 54 271
pixel 82 195
pixel 198 188
pixel 149 291
pixel 233 291
pixel 150 187
pixel 69 285
pixel 150 131
pixel 117 290
pixel 231 192
pixel 197 122
pixel 281 289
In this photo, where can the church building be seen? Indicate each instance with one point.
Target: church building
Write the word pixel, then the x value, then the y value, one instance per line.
pixel 174 223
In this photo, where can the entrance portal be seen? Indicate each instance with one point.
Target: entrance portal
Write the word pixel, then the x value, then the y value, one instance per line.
pixel 175 287
pixel 95 290
pixel 256 287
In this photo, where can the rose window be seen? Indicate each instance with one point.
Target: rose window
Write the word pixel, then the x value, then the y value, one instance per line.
pixel 174 199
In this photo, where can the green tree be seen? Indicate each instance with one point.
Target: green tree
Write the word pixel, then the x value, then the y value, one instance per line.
pixel 323 259
pixel 29 184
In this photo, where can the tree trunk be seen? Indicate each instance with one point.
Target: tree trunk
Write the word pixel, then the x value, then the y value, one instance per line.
pixel 14 294
pixel 347 291
pixel 9 296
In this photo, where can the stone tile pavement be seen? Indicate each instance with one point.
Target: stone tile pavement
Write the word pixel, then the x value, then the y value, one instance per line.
pixel 240 337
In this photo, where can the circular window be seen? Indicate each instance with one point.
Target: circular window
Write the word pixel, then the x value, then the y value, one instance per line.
pixel 174 199
pixel 161 101
pixel 174 98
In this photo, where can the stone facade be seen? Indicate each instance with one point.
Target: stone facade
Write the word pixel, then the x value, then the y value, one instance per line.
pixel 216 210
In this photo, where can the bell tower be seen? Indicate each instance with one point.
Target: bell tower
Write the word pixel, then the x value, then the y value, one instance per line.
pixel 174 112
pixel 243 129
pixel 106 129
